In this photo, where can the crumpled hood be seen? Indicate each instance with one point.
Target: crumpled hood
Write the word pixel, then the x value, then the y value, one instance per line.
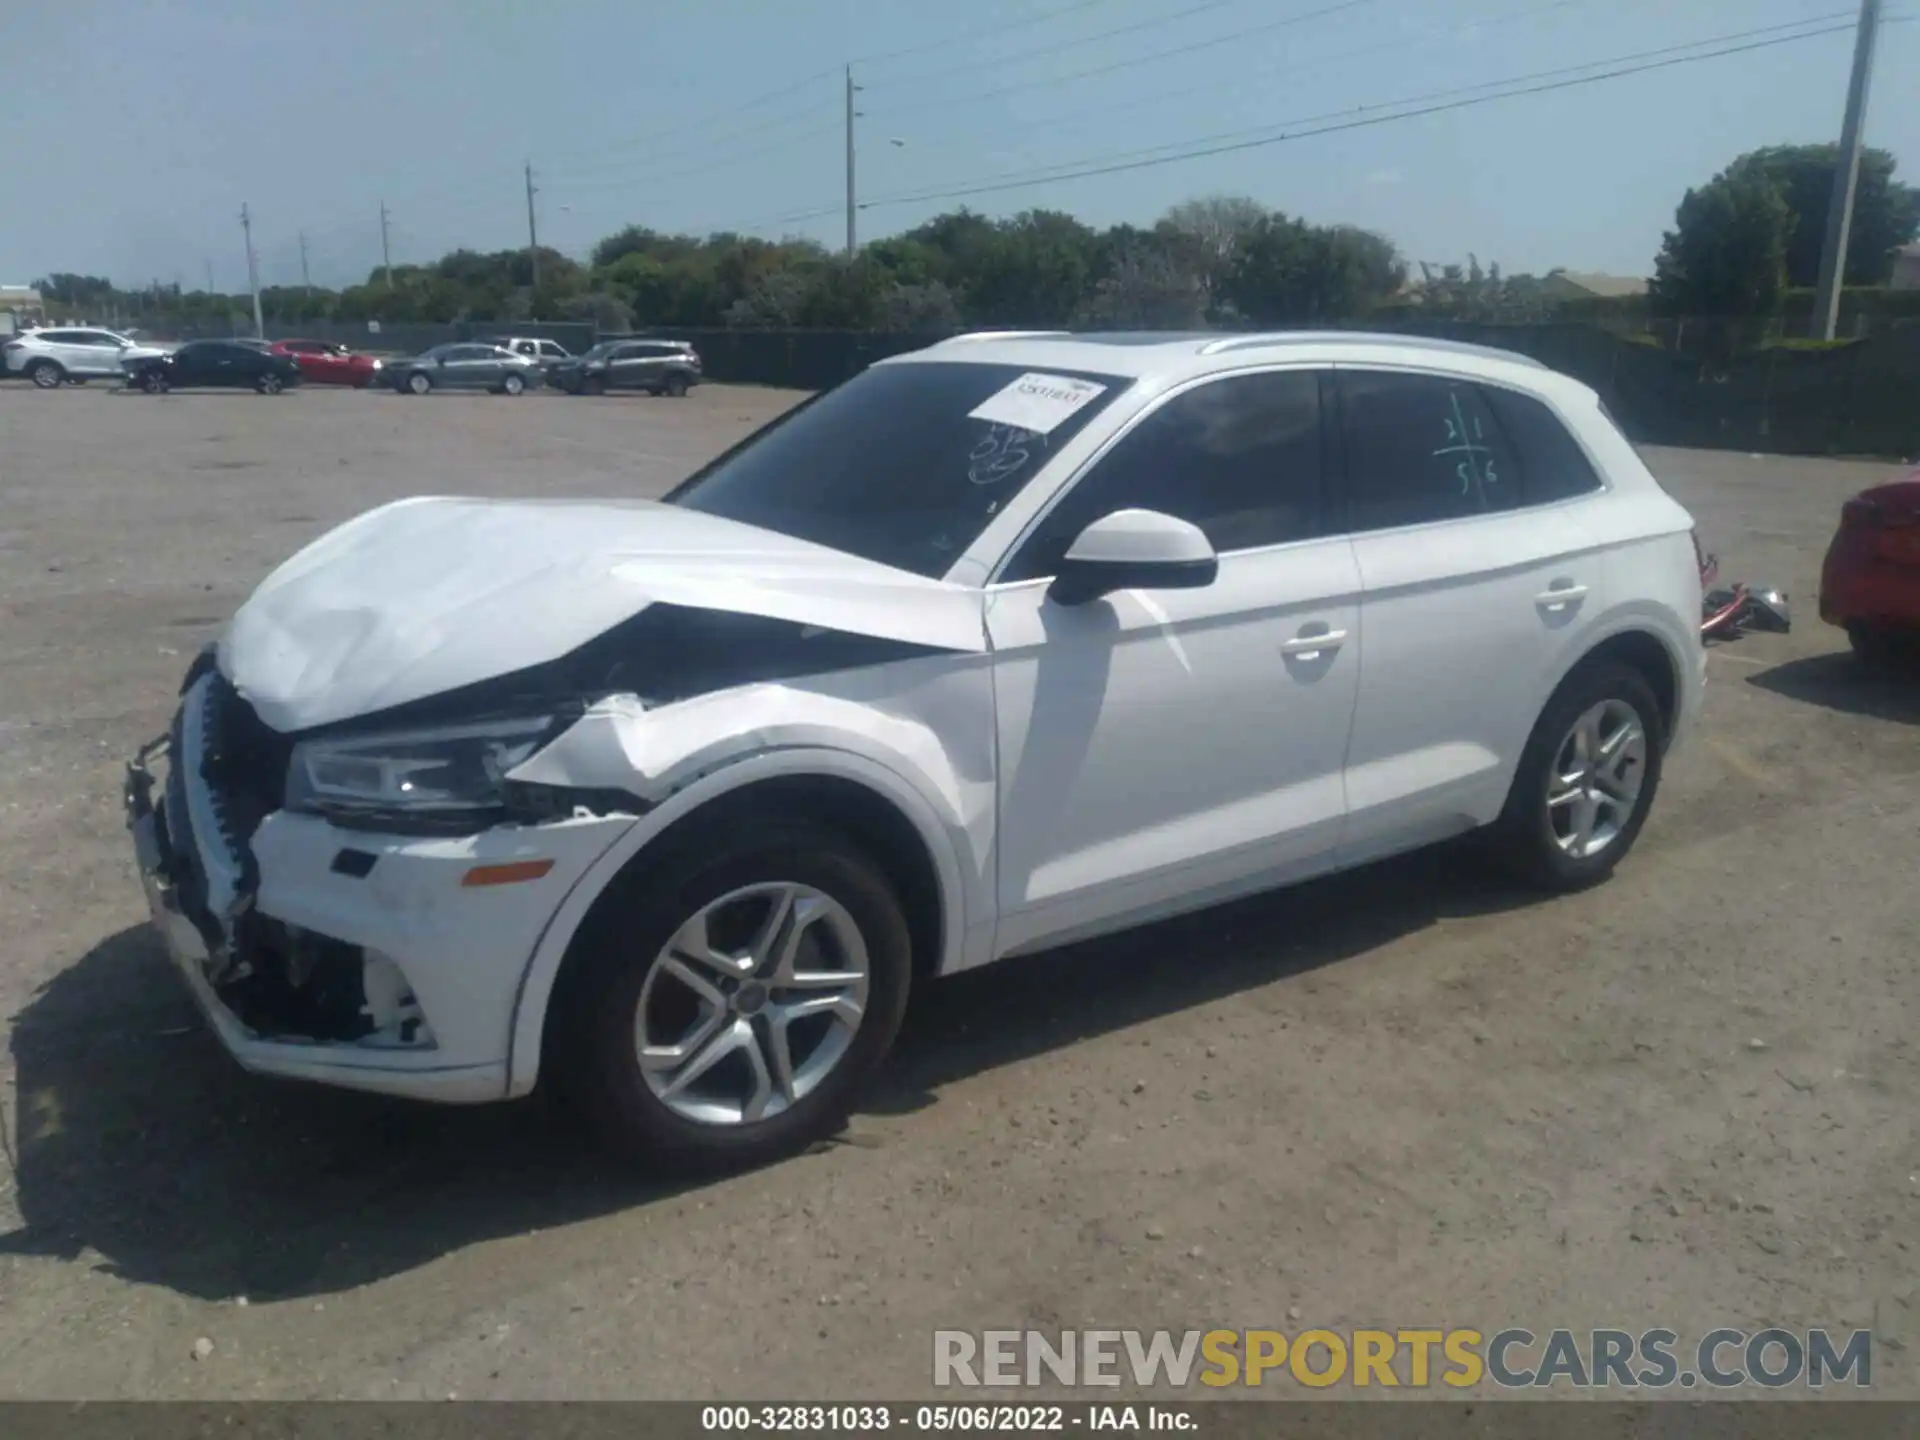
pixel 431 594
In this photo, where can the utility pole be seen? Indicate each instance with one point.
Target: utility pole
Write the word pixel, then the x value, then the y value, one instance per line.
pixel 852 90
pixel 1846 178
pixel 306 280
pixel 209 277
pixel 533 238
pixel 253 275
pixel 386 254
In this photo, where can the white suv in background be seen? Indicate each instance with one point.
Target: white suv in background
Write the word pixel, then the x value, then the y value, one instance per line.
pixel 51 356
pixel 1013 641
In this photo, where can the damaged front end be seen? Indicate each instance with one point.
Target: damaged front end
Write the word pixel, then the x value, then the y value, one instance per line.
pixel 223 772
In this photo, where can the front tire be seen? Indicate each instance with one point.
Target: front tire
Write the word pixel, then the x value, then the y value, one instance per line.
pixel 1585 781
pixel 154 383
pixel 727 1008
pixel 419 384
pixel 46 374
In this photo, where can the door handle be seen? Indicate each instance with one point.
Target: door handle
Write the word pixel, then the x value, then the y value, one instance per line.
pixel 1308 647
pixel 1558 596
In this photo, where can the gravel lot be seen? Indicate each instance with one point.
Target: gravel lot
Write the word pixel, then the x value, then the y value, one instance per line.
pixel 1405 1096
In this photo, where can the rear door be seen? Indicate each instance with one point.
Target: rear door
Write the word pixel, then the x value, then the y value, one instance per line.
pixel 632 367
pixel 69 348
pixel 468 367
pixel 1480 581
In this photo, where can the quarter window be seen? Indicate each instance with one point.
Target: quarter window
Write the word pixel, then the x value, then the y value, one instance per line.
pixel 1552 464
pixel 1239 457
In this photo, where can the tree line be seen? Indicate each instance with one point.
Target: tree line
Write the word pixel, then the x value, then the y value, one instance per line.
pixel 1739 243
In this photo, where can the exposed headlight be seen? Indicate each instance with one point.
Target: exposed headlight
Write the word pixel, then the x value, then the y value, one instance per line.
pixel 378 364
pixel 451 773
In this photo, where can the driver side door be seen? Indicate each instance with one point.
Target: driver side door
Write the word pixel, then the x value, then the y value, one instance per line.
pixel 1160 750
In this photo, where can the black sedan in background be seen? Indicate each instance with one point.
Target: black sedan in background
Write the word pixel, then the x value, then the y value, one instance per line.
pixel 222 364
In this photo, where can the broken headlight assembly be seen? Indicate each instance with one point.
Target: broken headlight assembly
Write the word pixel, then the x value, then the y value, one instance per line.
pixel 445 778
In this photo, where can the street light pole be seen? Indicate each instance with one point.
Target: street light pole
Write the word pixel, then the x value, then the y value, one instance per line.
pixel 1846 178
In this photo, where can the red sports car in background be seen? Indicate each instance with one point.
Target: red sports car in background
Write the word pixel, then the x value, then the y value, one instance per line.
pixel 1870 584
pixel 323 363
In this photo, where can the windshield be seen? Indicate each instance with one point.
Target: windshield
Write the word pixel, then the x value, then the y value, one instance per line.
pixel 895 466
pixel 598 352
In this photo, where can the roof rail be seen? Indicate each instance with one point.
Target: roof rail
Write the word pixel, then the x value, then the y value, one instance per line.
pixel 1002 335
pixel 1368 337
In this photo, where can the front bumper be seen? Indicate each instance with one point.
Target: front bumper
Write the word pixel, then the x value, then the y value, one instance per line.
pixel 436 964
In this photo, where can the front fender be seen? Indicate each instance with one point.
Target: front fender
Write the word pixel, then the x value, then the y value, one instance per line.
pixel 684 756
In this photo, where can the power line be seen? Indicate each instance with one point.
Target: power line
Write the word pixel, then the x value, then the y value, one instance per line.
pixel 1197 148
pixel 995 31
pixel 1055 81
pixel 1351 118
pixel 1135 103
pixel 1069 44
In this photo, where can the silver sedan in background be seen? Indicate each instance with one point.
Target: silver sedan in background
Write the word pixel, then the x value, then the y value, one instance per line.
pixel 464 365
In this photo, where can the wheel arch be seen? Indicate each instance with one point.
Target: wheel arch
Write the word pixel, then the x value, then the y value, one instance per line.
pixel 900 829
pixel 1645 649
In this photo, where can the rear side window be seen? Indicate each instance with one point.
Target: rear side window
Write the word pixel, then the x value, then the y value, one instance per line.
pixel 1552 464
pixel 1422 448
pixel 1239 457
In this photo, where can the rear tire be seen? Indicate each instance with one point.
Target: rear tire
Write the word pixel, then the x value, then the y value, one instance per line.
pixel 676 386
pixel 1881 648
pixel 609 1007
pixel 46 374
pixel 513 385
pixel 1585 781
pixel 269 384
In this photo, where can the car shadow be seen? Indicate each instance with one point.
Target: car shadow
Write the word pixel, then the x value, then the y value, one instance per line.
pixel 140 1148
pixel 1838 681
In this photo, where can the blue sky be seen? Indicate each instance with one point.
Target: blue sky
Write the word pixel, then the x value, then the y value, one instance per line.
pixel 136 128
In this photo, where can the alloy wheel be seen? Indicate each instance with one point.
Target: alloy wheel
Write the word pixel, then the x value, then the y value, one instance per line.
pixel 1598 770
pixel 752 1004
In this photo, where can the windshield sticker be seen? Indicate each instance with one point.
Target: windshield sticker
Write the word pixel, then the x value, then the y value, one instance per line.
pixel 1037 402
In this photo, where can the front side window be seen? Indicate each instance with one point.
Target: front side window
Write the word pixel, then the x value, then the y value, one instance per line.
pixel 895 465
pixel 1422 448
pixel 1240 457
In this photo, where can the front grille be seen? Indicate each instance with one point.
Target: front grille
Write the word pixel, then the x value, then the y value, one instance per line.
pixel 245 767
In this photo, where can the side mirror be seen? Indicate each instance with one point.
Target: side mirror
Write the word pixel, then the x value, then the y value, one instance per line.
pixel 1134 550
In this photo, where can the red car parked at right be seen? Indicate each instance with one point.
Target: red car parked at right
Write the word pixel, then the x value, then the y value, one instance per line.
pixel 323 363
pixel 1870 584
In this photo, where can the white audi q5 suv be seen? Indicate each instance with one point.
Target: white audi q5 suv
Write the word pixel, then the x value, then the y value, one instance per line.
pixel 1016 640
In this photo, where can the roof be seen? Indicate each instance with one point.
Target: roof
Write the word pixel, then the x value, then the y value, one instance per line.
pixel 1175 354
pixel 1596 283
